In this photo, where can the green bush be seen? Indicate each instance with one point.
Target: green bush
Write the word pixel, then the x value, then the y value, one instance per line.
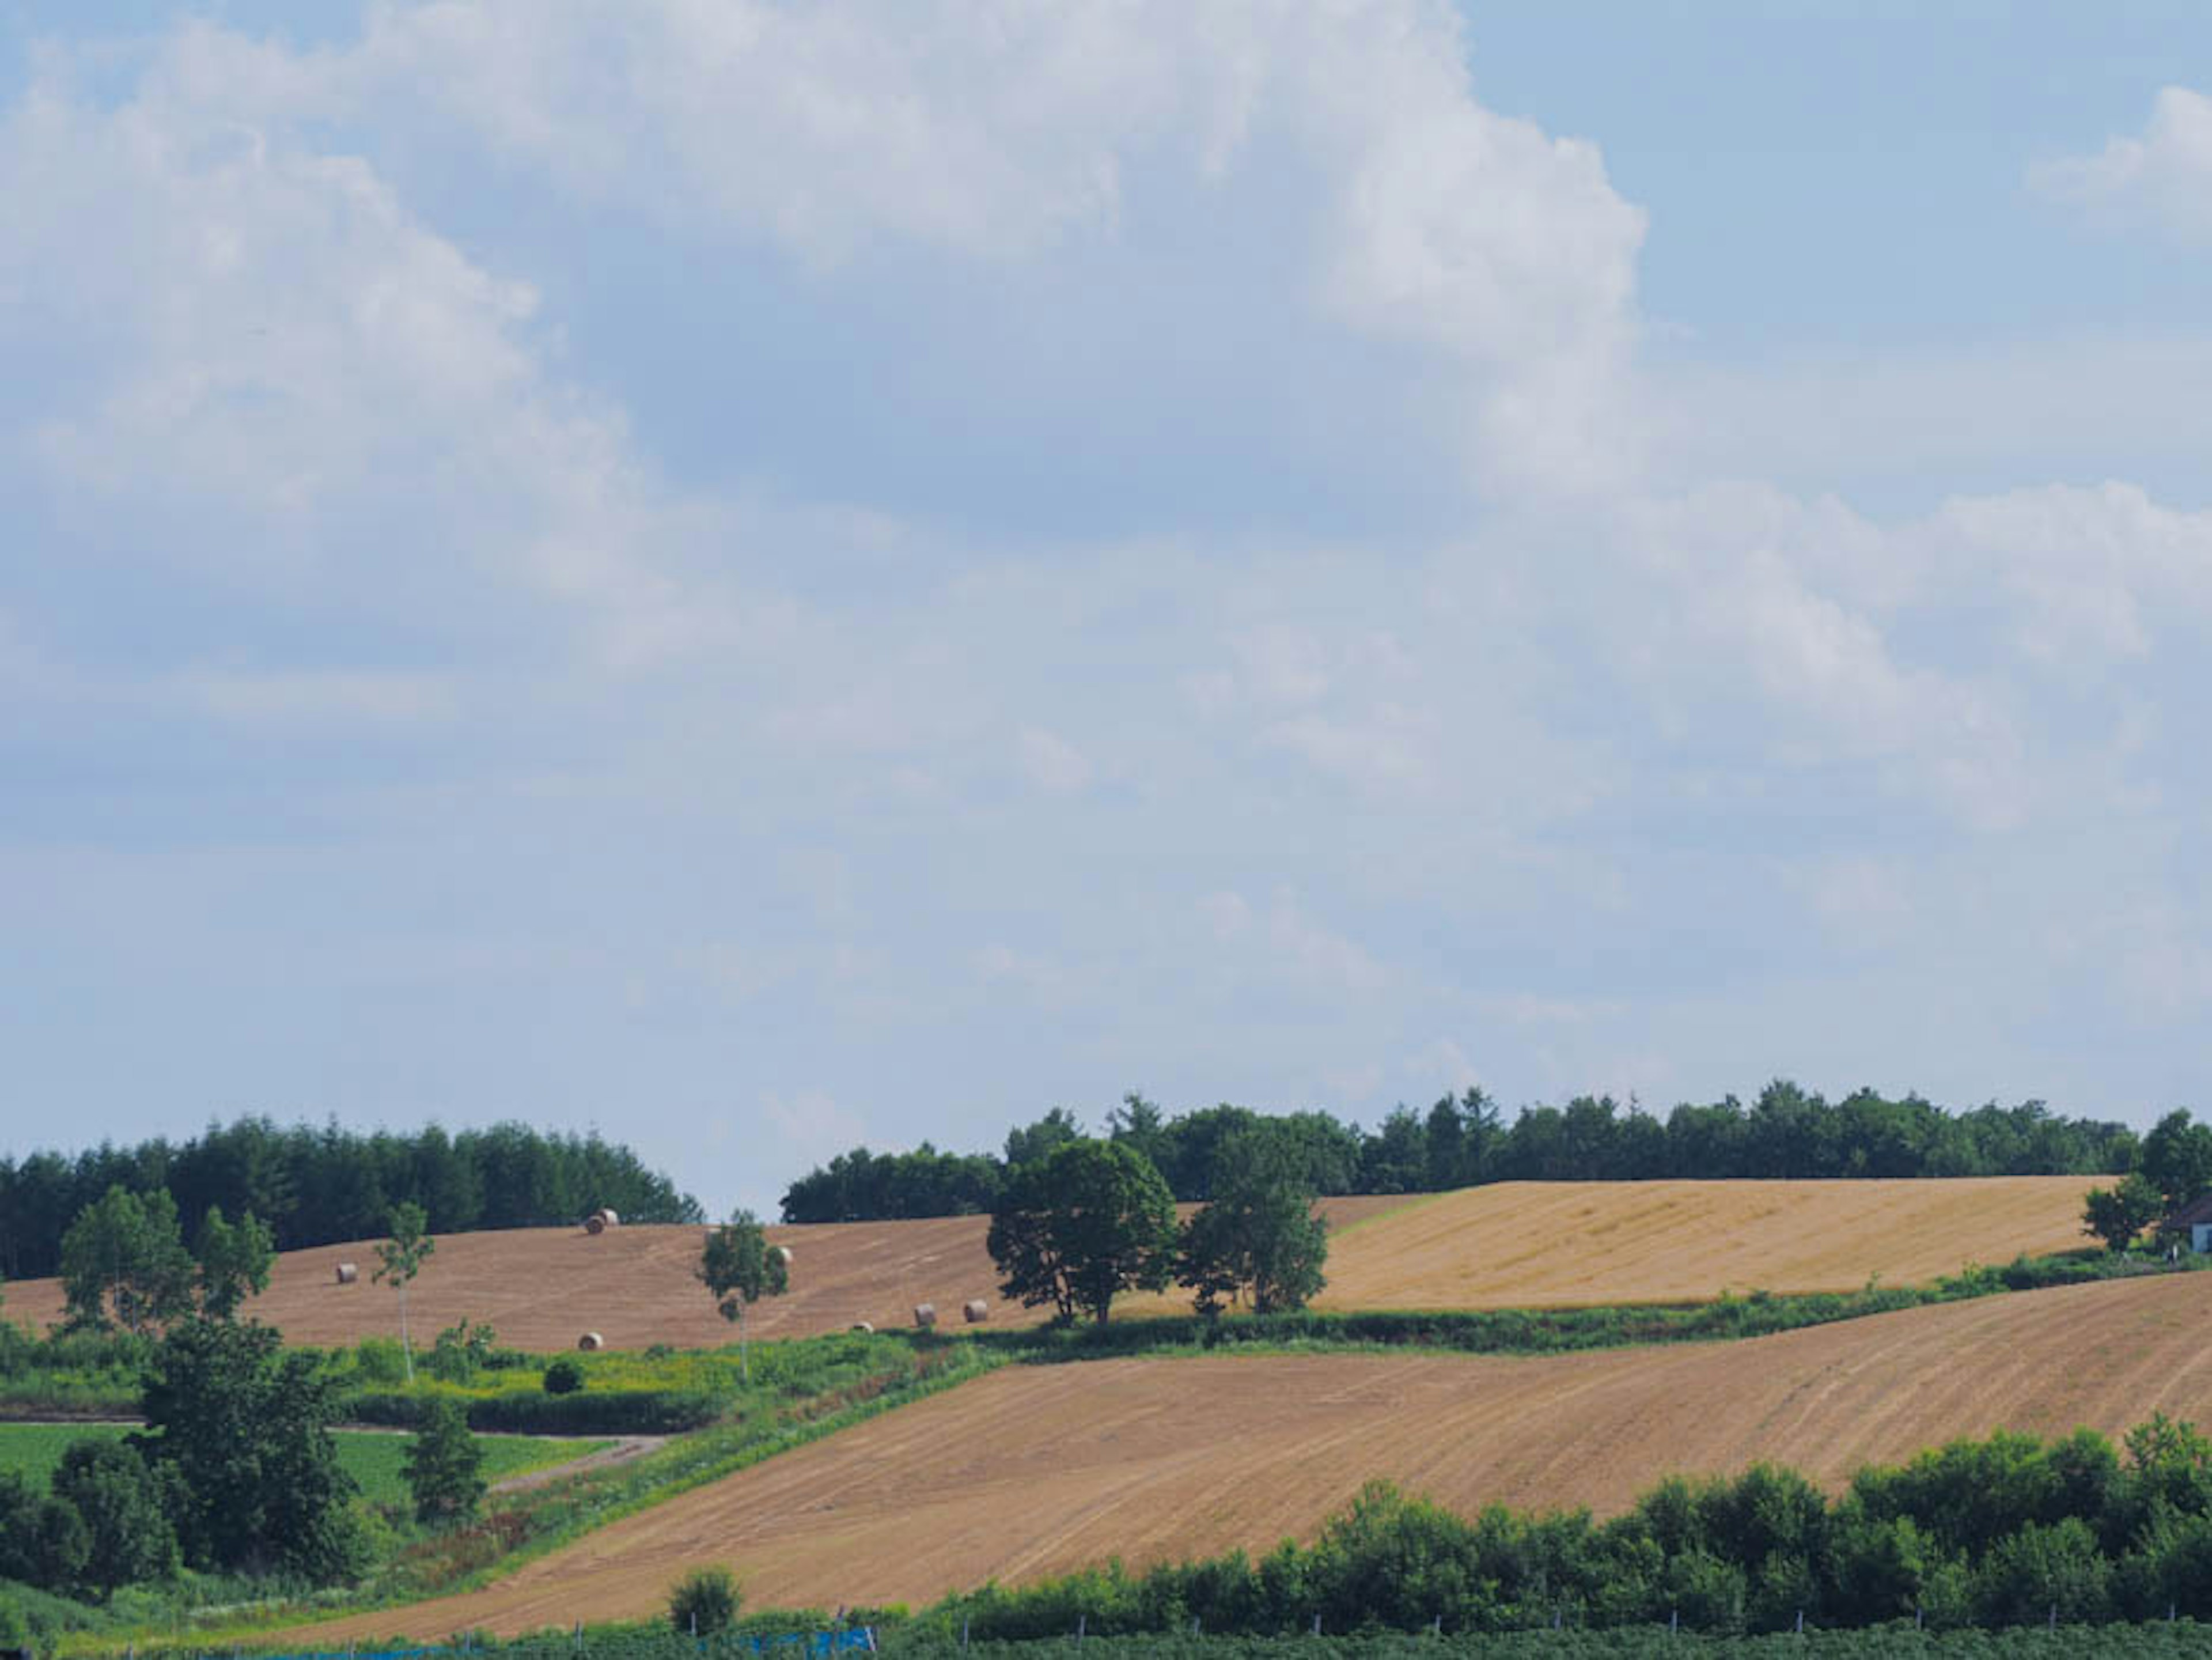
pixel 564 1376
pixel 379 1360
pixel 703 1603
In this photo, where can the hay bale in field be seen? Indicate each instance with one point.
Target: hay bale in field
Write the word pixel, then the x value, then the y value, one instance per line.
pixel 925 1314
pixel 975 1310
pixel 612 1220
pixel 862 1325
pixel 595 1223
pixel 348 1274
pixel 783 1254
pixel 590 1343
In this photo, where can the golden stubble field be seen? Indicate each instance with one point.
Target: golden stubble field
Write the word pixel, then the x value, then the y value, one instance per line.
pixel 1034 1470
pixel 1513 1244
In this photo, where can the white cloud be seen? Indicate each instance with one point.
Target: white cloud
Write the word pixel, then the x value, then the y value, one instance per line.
pixel 1052 763
pixel 2163 177
pixel 314 697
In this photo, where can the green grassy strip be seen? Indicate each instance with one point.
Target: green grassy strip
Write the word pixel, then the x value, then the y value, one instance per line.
pixel 373 1459
pixel 1561 1330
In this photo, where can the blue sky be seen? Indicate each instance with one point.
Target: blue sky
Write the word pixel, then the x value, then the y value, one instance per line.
pixel 766 576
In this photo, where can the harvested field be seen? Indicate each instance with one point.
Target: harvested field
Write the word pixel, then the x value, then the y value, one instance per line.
pixel 1033 1470
pixel 1515 1244
pixel 543 1288
pixel 1552 1244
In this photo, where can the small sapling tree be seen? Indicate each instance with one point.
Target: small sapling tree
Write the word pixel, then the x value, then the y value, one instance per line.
pixel 444 1467
pixel 739 1267
pixel 1090 1220
pixel 399 1259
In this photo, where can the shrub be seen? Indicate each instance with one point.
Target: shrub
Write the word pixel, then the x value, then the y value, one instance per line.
pixel 564 1376
pixel 445 1466
pixel 703 1603
pixel 379 1360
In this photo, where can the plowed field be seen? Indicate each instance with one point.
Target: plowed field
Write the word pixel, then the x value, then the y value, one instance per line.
pixel 1532 1243
pixel 1514 1244
pixel 1033 1470
pixel 540 1288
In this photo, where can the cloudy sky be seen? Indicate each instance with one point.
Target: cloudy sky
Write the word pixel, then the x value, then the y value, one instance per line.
pixel 763 575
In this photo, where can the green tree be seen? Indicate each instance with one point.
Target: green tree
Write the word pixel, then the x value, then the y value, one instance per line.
pixel 2176 1157
pixel 234 1262
pixel 119 1499
pixel 244 1429
pixel 1092 1219
pixel 1032 1144
pixel 703 1602
pixel 399 1259
pixel 1258 1236
pixel 739 1266
pixel 444 1466
pixel 2117 1215
pixel 124 1262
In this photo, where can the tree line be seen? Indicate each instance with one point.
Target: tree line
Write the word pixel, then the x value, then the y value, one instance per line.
pixel 1464 1140
pixel 317 1186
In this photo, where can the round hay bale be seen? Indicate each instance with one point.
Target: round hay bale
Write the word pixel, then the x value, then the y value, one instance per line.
pixel 595 1223
pixel 783 1254
pixel 590 1343
pixel 862 1325
pixel 925 1315
pixel 975 1310
pixel 348 1274
pixel 613 1220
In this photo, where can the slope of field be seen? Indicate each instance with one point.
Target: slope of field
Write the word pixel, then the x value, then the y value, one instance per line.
pixel 1034 1470
pixel 1540 1244
pixel 1514 1244
pixel 540 1288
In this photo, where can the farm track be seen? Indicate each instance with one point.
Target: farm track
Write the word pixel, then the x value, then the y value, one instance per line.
pixel 1512 1244
pixel 1031 1471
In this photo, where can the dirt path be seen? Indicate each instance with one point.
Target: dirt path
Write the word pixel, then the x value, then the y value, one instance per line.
pixel 623 1449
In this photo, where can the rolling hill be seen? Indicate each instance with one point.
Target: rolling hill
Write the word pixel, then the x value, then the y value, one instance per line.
pixel 1033 1470
pixel 1512 1244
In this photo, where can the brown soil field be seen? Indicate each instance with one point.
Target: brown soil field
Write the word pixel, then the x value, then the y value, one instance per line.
pixel 1513 1244
pixel 1502 1246
pixel 542 1288
pixel 1034 1470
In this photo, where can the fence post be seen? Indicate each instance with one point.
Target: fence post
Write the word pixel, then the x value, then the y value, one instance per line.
pixel 964 1630
pixel 2053 1627
pixel 1801 1622
pixel 1673 1622
pixel 1082 1623
pixel 1436 1624
pixel 1317 1625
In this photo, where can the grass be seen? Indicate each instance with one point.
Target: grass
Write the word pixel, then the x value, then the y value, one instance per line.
pixel 373 1459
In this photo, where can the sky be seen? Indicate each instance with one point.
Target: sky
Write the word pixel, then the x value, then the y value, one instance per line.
pixel 760 576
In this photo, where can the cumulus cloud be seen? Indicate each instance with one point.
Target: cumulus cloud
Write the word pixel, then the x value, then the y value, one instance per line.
pixel 2162 178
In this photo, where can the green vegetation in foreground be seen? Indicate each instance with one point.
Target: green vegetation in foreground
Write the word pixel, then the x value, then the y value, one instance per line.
pixel 803 1389
pixel 371 1458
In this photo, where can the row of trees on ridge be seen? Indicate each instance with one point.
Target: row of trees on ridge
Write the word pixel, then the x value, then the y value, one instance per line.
pixel 1464 1140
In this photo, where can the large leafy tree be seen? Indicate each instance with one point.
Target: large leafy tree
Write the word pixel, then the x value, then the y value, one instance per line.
pixel 124 1262
pixel 244 1429
pixel 1259 1237
pixel 2176 1157
pixel 2117 1215
pixel 120 1497
pixel 739 1266
pixel 234 1259
pixel 1091 1220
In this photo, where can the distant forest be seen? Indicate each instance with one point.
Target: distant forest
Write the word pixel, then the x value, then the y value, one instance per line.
pixel 1463 1140
pixel 319 1186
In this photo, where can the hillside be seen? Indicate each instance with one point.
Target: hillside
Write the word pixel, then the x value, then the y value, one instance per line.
pixel 1034 1470
pixel 1512 1244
